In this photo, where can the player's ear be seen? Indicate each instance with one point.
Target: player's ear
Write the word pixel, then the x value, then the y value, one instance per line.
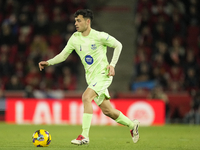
pixel 88 21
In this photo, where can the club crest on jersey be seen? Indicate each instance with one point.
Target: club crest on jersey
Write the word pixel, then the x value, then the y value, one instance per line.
pixel 89 60
pixel 93 46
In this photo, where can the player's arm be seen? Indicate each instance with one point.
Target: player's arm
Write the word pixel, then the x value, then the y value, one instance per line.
pixel 114 43
pixel 55 60
pixel 62 56
pixel 117 51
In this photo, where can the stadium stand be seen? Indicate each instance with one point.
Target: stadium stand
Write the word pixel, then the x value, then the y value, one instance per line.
pixel 33 30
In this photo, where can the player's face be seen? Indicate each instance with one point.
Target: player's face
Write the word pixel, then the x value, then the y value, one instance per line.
pixel 81 23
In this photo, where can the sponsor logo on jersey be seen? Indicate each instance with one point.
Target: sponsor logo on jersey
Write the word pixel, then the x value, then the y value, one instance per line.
pixel 93 46
pixel 89 60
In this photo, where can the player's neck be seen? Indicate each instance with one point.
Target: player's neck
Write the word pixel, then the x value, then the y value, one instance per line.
pixel 86 32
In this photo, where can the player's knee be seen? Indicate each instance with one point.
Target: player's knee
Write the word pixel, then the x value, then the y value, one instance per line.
pixel 85 98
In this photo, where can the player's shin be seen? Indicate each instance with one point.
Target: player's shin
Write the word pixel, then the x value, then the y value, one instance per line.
pixel 122 119
pixel 87 118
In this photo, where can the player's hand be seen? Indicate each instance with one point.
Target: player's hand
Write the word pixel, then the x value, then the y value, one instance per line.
pixel 111 70
pixel 43 64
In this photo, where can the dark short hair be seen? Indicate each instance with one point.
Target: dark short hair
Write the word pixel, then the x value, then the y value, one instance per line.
pixel 86 13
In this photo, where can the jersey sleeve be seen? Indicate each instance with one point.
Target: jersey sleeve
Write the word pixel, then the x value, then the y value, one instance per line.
pixel 110 41
pixel 107 39
pixel 62 56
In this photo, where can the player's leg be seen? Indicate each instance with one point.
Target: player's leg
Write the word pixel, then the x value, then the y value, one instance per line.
pixel 120 118
pixel 87 98
pixel 115 114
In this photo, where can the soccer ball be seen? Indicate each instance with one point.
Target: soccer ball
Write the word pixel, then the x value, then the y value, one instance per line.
pixel 41 138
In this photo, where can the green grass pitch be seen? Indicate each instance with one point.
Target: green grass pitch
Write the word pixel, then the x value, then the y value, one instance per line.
pixel 168 137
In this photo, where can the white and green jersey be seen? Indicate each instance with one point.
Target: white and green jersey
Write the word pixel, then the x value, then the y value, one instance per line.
pixel 92 51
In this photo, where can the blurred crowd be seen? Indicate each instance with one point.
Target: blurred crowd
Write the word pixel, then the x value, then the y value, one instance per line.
pixel 35 30
pixel 168 45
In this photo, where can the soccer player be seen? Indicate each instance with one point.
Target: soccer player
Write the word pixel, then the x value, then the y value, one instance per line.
pixel 91 46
